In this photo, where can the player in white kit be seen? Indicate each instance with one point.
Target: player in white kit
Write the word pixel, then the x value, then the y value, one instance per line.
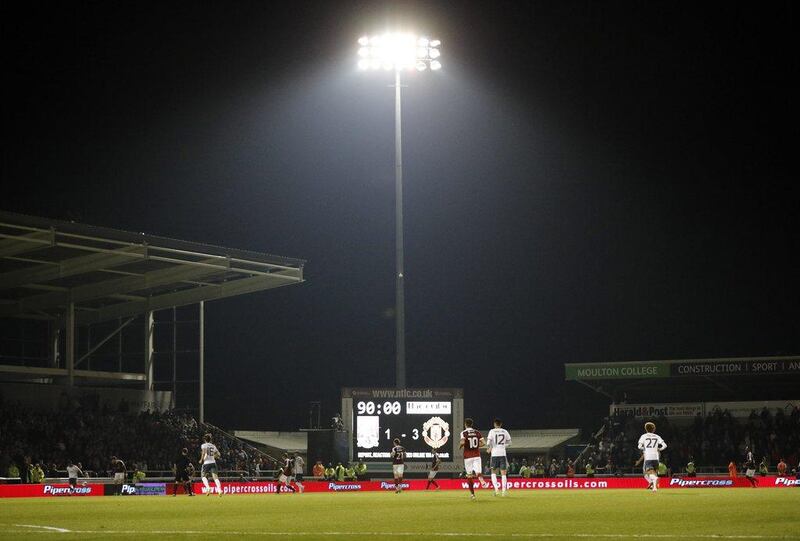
pixel 208 460
pixel 497 441
pixel 651 446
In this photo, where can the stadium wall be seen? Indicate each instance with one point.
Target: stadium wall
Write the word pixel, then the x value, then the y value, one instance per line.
pixel 271 487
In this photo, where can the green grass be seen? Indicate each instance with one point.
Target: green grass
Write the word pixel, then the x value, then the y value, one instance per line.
pixel 621 514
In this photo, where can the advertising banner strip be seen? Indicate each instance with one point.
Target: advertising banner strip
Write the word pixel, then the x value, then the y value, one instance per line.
pixel 738 366
pixel 271 487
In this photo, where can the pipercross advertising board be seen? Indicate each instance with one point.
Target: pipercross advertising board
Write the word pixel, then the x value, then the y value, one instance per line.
pixel 270 487
pixel 737 366
pixel 424 420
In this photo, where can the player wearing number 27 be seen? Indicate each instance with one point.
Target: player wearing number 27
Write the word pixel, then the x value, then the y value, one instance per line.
pixel 497 440
pixel 651 446
pixel 471 442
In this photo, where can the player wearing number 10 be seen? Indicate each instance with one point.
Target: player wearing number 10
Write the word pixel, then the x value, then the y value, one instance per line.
pixel 471 442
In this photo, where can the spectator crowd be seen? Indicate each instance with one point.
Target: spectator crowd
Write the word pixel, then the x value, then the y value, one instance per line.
pixel 37 443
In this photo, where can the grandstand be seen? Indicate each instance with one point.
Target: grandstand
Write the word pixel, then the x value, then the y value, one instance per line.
pixel 708 410
pixel 107 327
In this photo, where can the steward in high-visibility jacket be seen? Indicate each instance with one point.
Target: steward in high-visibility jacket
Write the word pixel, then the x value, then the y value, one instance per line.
pixel 361 471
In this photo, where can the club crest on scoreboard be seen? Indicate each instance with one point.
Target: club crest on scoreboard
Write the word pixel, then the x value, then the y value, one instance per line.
pixel 436 432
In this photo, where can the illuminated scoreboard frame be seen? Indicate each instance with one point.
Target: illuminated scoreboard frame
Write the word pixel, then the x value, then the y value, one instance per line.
pixel 423 419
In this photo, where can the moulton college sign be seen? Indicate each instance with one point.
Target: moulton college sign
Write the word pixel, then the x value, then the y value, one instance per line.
pixel 738 366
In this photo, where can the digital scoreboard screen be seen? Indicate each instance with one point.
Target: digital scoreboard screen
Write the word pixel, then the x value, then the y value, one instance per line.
pixel 421 418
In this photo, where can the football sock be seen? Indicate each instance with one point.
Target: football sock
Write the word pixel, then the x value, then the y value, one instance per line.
pixel 505 482
pixel 471 484
pixel 494 482
pixel 219 486
pixel 188 488
pixel 434 483
pixel 205 482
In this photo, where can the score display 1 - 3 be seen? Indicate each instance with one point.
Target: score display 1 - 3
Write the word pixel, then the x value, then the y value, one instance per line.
pixel 421 425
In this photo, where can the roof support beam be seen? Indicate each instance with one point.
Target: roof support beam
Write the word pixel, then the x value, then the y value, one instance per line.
pixel 72 266
pixel 37 371
pixel 20 244
pixel 115 286
pixel 192 296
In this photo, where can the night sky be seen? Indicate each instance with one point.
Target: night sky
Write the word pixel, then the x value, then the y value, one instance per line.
pixel 584 181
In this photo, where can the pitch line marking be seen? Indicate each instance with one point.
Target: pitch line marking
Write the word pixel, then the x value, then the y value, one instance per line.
pixel 46 528
pixel 52 529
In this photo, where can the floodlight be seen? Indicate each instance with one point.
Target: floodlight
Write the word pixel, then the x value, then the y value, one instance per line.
pixel 398 51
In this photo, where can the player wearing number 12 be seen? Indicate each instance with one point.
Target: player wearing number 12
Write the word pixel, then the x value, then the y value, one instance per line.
pixel 498 440
pixel 651 446
pixel 471 442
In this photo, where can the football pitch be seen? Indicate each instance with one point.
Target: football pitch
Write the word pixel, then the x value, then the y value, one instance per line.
pixel 610 514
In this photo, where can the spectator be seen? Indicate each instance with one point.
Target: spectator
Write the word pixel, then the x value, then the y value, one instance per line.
pixel 37 473
pixel 361 470
pixel 691 469
pixel 318 470
pixel 138 475
pixel 340 472
pixel 781 468
pixel 330 472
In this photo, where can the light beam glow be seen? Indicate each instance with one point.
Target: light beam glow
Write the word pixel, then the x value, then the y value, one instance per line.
pixel 398 51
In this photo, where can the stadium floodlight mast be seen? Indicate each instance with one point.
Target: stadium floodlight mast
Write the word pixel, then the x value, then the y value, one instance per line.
pixel 399 52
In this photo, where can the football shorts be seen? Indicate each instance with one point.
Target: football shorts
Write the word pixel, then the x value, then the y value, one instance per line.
pixel 473 465
pixel 398 469
pixel 209 468
pixel 499 463
pixel 650 465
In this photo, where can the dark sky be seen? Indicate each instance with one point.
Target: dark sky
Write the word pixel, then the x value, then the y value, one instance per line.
pixel 585 181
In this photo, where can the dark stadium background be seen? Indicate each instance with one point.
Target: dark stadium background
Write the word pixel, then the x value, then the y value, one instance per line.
pixel 585 181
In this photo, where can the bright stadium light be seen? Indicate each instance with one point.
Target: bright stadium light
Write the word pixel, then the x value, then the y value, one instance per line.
pixel 399 52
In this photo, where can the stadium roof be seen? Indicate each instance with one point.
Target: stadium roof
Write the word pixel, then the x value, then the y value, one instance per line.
pixel 107 274
pixel 728 378
pixel 540 441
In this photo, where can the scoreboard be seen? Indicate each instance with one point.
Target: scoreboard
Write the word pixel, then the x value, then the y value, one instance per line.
pixel 423 419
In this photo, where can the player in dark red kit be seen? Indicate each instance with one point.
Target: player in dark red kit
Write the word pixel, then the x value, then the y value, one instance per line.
pixel 183 473
pixel 285 474
pixel 471 442
pixel 435 463
pixel 398 465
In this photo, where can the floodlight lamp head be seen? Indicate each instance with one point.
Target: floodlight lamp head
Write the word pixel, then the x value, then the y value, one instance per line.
pixel 398 51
